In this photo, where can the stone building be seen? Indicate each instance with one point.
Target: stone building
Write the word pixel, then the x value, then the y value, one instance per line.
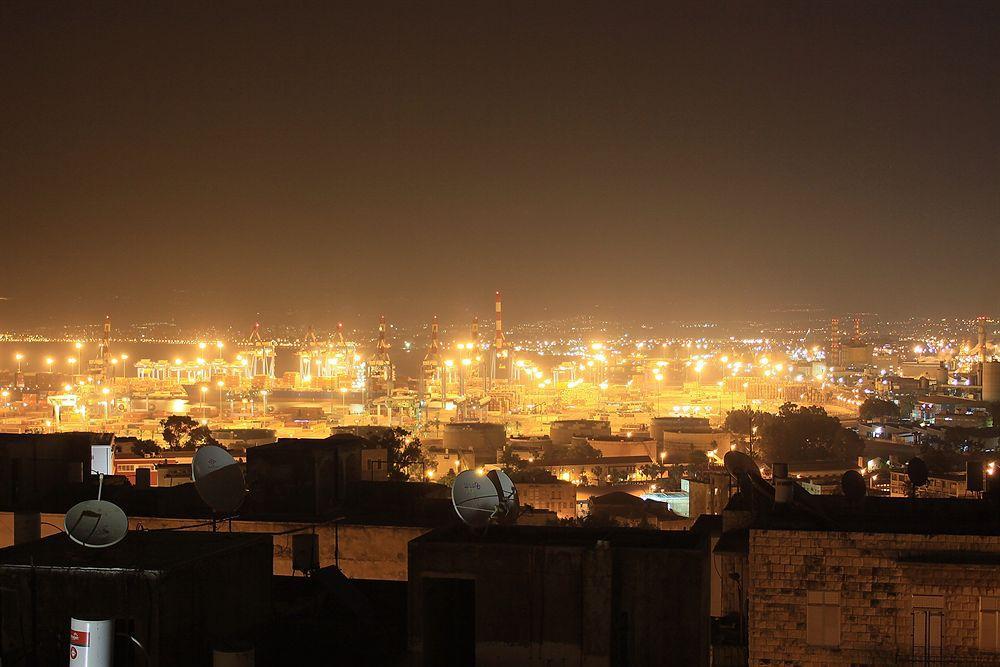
pixel 558 496
pixel 837 581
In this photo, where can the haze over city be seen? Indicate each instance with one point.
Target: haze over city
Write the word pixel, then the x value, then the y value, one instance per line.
pixel 696 160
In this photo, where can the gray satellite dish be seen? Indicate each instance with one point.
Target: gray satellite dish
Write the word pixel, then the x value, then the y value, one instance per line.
pixel 218 479
pixel 510 504
pixel 738 463
pixel 475 498
pixel 96 523
pixel 852 484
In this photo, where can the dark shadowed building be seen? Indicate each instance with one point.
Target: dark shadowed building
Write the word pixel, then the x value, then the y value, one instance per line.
pixel 300 476
pixel 519 595
pixel 179 594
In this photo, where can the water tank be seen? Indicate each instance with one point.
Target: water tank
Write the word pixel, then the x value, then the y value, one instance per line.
pixel 991 381
pixel 561 432
pixel 484 439
pixel 659 425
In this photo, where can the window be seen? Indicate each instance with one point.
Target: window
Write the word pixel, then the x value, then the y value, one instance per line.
pixel 823 618
pixel 989 624
pixel 928 622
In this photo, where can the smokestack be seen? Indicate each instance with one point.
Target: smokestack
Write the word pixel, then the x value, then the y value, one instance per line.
pixel 498 334
pixel 382 345
pixel 982 341
pixel 834 356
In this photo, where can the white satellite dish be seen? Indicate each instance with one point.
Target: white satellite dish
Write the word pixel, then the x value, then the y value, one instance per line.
pixel 510 504
pixel 475 498
pixel 96 523
pixel 218 479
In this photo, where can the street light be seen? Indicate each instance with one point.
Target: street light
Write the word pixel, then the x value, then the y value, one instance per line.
pixel 48 362
pixel 124 367
pixel 204 406
pixel 343 397
pixel 220 384
pixel 18 357
pixel 263 394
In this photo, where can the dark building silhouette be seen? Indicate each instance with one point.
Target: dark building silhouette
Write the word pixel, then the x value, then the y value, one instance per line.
pixel 180 594
pixel 517 595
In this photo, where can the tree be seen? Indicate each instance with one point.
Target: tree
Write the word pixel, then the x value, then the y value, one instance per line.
pixel 878 408
pixel 403 453
pixel 448 479
pixel 575 452
pixel 619 475
pixel 510 462
pixel 146 448
pixel 941 456
pixel 652 470
pixel 745 423
pixel 533 476
pixel 798 433
pixel 183 432
pixel 906 406
pixel 993 407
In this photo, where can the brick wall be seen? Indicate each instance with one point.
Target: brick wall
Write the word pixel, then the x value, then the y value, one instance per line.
pixel 875 592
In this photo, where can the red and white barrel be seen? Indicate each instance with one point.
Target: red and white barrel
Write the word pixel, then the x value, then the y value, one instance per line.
pixel 91 643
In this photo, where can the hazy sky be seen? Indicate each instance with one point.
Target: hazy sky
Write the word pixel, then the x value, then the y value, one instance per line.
pixel 678 159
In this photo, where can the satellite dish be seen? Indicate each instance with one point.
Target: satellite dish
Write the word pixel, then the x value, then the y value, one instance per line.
pixel 218 479
pixel 916 470
pixel 738 463
pixel 475 498
pixel 507 491
pixel 852 484
pixel 96 523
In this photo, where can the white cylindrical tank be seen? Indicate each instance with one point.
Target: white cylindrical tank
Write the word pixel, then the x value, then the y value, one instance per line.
pixel 91 643
pixel 991 381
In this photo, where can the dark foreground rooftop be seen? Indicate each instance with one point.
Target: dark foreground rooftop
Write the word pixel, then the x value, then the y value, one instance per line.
pixel 157 551
pixel 566 536
pixel 873 514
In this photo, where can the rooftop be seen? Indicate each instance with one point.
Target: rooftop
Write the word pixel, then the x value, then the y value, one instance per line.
pixel 151 550
pixel 564 536
pixel 871 514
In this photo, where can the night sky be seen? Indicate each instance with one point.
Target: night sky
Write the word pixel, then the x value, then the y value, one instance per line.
pixel 663 160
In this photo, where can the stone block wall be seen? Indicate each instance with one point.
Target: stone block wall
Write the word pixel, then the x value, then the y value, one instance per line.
pixel 876 579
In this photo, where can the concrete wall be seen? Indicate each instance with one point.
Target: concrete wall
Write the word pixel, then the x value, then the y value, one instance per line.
pixel 365 552
pixel 875 591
